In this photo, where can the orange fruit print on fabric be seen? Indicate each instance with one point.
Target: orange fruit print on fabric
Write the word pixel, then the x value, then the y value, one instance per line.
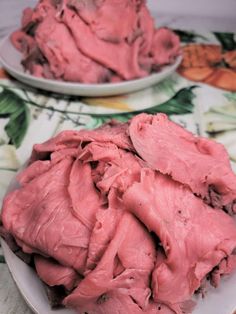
pixel 209 64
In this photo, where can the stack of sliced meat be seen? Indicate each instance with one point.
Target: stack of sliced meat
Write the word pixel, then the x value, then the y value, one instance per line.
pixel 129 218
pixel 93 41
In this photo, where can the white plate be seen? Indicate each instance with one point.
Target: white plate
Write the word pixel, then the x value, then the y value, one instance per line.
pixel 11 61
pixel 217 301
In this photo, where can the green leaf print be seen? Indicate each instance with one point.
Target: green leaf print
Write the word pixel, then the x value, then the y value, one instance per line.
pixel 181 103
pixel 12 106
pixel 227 40
pixel 2 259
pixel 188 36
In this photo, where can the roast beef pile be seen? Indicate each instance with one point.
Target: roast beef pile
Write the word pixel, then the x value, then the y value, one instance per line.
pixel 93 41
pixel 128 218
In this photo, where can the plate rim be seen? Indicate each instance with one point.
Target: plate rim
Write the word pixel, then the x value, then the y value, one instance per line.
pixel 149 80
pixel 6 250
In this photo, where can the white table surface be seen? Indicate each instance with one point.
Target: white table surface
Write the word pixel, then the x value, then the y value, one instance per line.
pixel 11 301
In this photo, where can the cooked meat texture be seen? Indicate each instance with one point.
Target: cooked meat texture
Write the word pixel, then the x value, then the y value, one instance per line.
pixel 199 163
pixel 34 221
pixel 85 41
pixel 55 274
pixel 123 268
pixel 114 132
pixel 115 214
pixel 65 60
pixel 195 238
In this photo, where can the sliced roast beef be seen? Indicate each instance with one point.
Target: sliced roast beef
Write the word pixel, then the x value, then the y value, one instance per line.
pixel 195 237
pixel 114 218
pixel 54 274
pixel 122 59
pixel 40 216
pixel 66 61
pixel 199 163
pixel 133 281
pixel 85 41
pixel 113 132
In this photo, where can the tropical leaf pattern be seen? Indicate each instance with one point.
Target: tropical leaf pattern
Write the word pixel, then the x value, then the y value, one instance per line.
pixel 227 40
pixel 189 36
pixel 181 103
pixel 15 109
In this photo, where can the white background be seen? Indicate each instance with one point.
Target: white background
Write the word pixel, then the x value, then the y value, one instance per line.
pixel 217 15
pixel 218 8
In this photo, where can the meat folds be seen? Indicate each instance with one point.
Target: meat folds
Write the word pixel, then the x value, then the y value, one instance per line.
pixel 91 41
pixel 128 218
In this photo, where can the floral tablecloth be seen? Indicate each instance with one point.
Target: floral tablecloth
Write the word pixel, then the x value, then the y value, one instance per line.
pixel 201 96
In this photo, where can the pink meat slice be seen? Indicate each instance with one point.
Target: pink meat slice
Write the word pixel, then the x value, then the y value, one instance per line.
pixel 54 274
pixel 146 28
pixel 121 58
pixel 133 281
pixel 226 267
pixel 23 42
pixel 165 47
pixel 33 171
pixel 40 215
pixel 65 60
pixel 121 170
pixel 102 234
pixel 100 47
pixel 113 132
pixel 27 17
pixel 104 17
pixel 195 238
pixel 117 303
pixel 115 214
pixel 85 199
pixel 43 9
pixel 199 163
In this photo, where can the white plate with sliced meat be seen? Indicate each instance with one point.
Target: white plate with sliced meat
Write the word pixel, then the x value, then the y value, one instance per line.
pixel 216 301
pixel 192 244
pixel 11 59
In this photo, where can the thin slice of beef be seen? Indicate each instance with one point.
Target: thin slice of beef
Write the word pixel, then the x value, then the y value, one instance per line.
pixel 199 163
pixel 112 132
pixel 97 14
pixel 127 221
pixel 133 281
pixel 55 274
pixel 120 58
pixel 66 61
pixel 195 237
pixel 40 216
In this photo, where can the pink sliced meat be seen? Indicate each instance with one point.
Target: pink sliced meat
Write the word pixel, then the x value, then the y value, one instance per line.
pixel 66 61
pixel 85 199
pixel 54 274
pixel 165 47
pixel 195 238
pixel 23 42
pixel 113 131
pixel 85 41
pixel 126 217
pixel 121 58
pixel 27 17
pixel 33 171
pixel 133 281
pixel 104 18
pixel 33 220
pixel 199 163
